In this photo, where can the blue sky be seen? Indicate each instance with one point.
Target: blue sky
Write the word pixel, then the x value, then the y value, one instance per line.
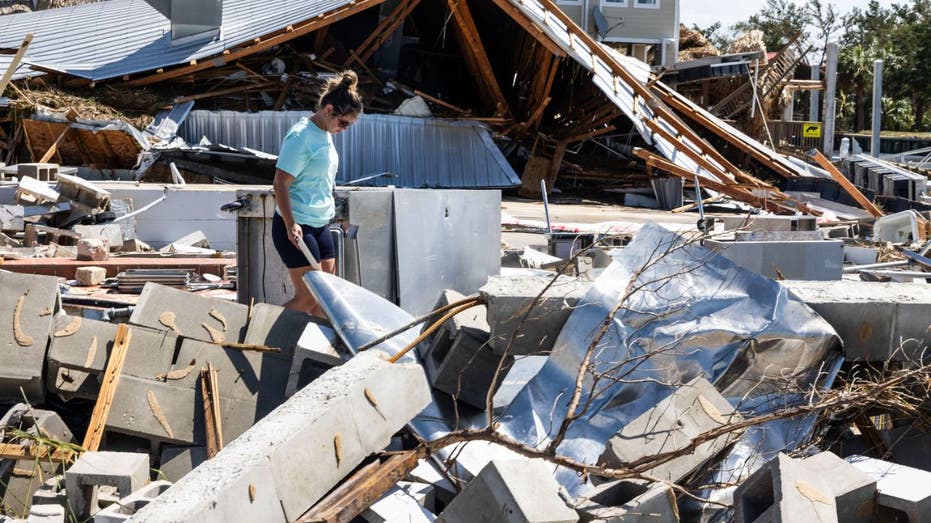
pixel 707 12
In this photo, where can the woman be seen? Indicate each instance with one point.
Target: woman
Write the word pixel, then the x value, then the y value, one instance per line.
pixel 304 179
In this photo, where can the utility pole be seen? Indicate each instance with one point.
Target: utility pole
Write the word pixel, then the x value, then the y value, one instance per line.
pixel 830 79
pixel 877 107
pixel 815 110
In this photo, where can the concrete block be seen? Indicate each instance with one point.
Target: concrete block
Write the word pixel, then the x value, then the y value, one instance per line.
pixel 190 315
pixel 468 370
pixel 83 191
pixel 45 172
pixel 111 232
pixel 794 260
pixel 31 191
pixel 315 354
pixel 426 472
pixel 508 299
pixel 30 302
pixel 139 404
pixel 770 223
pixel 404 502
pixel 11 218
pixel 275 326
pixel 512 491
pixel 90 275
pixel 124 470
pixel 901 491
pixel 178 461
pixel 854 491
pixel 93 249
pixel 296 454
pixel 52 492
pixel 873 319
pixel 692 409
pixel 784 490
pixel 632 501
pixel 126 507
pixel 47 514
pixel 521 372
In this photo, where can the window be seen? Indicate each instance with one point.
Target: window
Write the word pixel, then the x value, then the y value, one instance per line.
pixel 614 3
pixel 649 4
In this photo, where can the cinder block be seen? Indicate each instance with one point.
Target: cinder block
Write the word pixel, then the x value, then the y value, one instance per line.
pixel 315 354
pixel 45 172
pixel 901 490
pixel 511 490
pixel 156 410
pixel 296 454
pixel 468 369
pixel 30 302
pixel 873 319
pixel 406 501
pixel 31 191
pixel 508 299
pixel 275 326
pixel 83 191
pixel 632 501
pixel 90 275
pixel 854 491
pixel 176 462
pixel 93 249
pixel 47 514
pixel 52 492
pixel 112 233
pixel 189 315
pixel 692 409
pixel 126 507
pixel 784 490
pixel 124 470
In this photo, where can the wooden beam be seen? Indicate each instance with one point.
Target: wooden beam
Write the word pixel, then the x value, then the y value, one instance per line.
pixel 362 489
pixel 846 184
pixel 222 92
pixel 471 45
pixel 382 32
pixel 301 29
pixel 13 451
pixel 212 423
pixel 14 63
pixel 111 377
pixel 441 103
pixel 533 29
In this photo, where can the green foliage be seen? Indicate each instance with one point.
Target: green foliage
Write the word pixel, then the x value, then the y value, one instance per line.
pixel 780 21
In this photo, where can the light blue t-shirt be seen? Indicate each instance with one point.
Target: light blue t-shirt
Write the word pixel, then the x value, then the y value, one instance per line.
pixel 308 154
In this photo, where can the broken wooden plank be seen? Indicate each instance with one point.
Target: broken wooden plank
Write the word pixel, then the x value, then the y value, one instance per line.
pixel 212 423
pixel 111 378
pixel 14 63
pixel 14 451
pixel 382 32
pixel 845 184
pixel 362 489
pixel 476 57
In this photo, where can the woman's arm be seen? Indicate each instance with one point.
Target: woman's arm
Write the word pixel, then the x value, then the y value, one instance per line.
pixel 281 185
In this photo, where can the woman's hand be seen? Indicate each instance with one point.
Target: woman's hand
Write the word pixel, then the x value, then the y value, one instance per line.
pixel 296 234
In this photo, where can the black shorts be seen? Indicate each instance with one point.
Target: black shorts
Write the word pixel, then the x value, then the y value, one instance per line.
pixel 318 239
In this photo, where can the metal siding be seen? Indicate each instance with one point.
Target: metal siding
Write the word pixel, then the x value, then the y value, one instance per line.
pixel 643 23
pixel 110 39
pixel 422 152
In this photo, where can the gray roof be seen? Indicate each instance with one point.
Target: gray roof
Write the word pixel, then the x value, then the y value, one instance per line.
pixel 423 152
pixel 118 37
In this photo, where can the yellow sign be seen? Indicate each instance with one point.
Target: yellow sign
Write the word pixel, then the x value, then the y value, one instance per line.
pixel 811 130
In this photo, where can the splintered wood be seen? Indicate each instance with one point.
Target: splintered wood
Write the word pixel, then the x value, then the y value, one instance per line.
pixel 213 425
pixel 364 487
pixel 111 378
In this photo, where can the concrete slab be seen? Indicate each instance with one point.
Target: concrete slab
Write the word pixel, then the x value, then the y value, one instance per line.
pixel 629 501
pixel 30 302
pixel 124 470
pixel 795 260
pixel 178 461
pixel 469 368
pixel 784 490
pixel 901 491
pixel 692 409
pixel 511 491
pixel 126 507
pixel 873 319
pixel 854 491
pixel 508 299
pixel 296 454
pixel 275 326
pixel 11 218
pixel 189 315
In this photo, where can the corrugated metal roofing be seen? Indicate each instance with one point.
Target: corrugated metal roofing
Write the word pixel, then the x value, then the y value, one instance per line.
pixel 117 37
pixel 422 152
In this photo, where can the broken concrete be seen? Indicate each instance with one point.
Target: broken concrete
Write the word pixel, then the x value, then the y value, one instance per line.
pixel 291 458
pixel 112 233
pixel 93 249
pixel 124 470
pixel 32 192
pixel 468 369
pixel 901 490
pixel 511 490
pixel 90 275
pixel 873 319
pixel 854 491
pixel 508 299
pixel 671 426
pixel 126 507
pixel 176 462
pixel 11 218
pixel 25 322
pixel 784 490
pixel 189 315
pixel 632 501
pixel 85 192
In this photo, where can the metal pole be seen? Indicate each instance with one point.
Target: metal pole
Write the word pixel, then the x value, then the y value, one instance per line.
pixel 756 80
pixel 877 106
pixel 546 206
pixel 830 88
pixel 814 112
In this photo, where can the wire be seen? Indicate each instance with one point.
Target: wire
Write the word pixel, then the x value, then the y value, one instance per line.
pixel 417 321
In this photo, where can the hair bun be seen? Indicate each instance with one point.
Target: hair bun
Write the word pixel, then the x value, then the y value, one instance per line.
pixel 348 80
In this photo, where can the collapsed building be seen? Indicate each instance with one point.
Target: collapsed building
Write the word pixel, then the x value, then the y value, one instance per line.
pixel 766 365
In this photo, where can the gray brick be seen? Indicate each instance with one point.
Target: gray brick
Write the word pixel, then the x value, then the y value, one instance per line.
pixel 191 312
pixel 629 501
pixel 901 489
pixel 124 470
pixel 785 491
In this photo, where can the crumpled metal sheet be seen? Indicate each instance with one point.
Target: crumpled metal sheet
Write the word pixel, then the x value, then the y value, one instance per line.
pixel 686 311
